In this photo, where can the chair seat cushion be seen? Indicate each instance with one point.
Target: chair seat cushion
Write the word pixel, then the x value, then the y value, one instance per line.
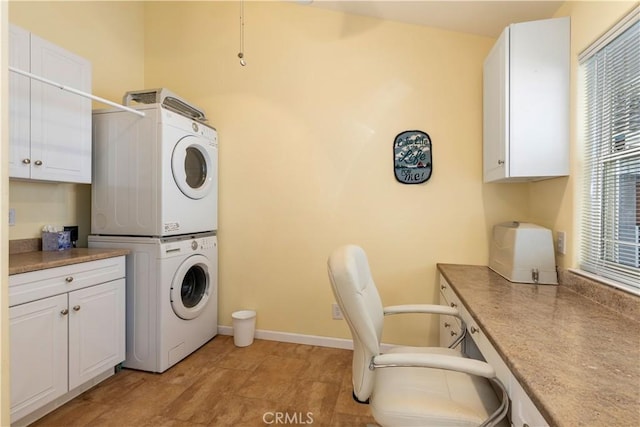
pixel 404 396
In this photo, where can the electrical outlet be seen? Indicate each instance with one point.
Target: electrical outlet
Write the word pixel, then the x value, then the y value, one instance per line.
pixel 336 313
pixel 561 243
pixel 12 217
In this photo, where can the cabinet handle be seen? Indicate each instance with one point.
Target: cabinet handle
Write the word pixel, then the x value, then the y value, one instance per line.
pixel 69 279
pixel 501 162
pixel 454 305
pixel 38 162
pixel 473 329
pixel 76 308
pixel 64 312
pixel 26 161
pixel 454 333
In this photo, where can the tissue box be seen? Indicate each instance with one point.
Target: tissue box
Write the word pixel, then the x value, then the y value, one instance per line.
pixel 56 241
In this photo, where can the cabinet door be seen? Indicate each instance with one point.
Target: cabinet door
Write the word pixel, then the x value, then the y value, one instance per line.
pixel 526 102
pixel 60 120
pixel 523 412
pixel 38 342
pixel 539 98
pixel 496 110
pixel 96 330
pixel 19 103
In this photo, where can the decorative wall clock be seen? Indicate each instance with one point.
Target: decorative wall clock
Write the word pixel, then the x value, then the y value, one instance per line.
pixel 412 157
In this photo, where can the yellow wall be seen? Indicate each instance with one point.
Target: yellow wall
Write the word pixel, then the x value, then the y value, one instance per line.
pixel 556 203
pixel 306 131
pixel 306 134
pixel 110 35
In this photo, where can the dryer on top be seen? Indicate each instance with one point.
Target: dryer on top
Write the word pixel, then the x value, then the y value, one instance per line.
pixel 153 176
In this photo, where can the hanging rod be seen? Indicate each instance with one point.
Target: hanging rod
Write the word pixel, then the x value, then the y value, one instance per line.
pixel 76 91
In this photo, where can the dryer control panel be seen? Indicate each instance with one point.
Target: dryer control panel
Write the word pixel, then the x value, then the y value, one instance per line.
pixel 207 242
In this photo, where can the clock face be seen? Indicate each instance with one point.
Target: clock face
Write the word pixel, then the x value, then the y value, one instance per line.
pixel 412 163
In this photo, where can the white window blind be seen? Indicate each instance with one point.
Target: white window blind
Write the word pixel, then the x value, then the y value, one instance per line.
pixel 611 199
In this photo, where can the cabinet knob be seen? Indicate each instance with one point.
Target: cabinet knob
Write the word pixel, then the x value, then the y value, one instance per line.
pixel 447 325
pixel 26 161
pixel 473 329
pixel 64 312
pixel 454 333
pixel 38 162
pixel 501 162
pixel 76 308
pixel 454 305
pixel 443 287
pixel 69 279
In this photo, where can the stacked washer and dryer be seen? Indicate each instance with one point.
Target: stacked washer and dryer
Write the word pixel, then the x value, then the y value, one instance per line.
pixel 155 192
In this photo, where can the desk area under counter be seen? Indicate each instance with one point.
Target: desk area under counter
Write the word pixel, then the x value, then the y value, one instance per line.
pixel 67 325
pixel 567 359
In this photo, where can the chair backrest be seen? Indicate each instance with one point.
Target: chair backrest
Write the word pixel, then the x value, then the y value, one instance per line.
pixel 362 308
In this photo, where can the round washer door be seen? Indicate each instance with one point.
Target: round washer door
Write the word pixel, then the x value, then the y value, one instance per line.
pixel 193 167
pixel 191 287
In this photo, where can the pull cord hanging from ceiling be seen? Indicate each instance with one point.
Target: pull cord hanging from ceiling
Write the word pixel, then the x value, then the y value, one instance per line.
pixel 241 53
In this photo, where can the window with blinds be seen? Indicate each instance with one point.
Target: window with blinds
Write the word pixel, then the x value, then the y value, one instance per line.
pixel 611 198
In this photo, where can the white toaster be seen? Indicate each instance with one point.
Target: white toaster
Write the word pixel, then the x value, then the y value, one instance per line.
pixel 523 253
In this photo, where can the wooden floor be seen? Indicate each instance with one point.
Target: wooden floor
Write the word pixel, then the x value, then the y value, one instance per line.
pixel 223 385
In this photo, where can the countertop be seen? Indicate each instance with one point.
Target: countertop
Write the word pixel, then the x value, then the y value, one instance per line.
pixel 40 260
pixel 578 360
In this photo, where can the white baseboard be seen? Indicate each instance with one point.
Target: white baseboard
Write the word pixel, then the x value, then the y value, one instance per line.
pixel 301 339
pixel 295 338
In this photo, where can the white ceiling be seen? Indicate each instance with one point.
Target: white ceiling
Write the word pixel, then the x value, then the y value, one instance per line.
pixel 485 18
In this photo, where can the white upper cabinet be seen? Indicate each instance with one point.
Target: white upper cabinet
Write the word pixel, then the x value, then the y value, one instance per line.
pixel 49 128
pixel 526 103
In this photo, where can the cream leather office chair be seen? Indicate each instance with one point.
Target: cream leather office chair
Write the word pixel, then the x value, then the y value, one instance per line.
pixel 409 386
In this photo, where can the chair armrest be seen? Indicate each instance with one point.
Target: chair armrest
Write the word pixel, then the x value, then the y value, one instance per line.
pixel 429 309
pixel 421 308
pixel 437 361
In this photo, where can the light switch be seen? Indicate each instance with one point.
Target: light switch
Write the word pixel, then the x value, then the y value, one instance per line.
pixel 12 217
pixel 562 243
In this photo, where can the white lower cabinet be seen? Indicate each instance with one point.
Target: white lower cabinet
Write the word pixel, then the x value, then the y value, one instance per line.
pixel 522 411
pixel 63 342
pixel 96 326
pixel 39 346
pixel 450 327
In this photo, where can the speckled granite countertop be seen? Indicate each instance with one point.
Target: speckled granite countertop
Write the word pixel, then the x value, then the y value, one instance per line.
pixel 577 359
pixel 39 260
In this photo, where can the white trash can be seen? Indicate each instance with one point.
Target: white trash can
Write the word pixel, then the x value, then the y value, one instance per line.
pixel 244 327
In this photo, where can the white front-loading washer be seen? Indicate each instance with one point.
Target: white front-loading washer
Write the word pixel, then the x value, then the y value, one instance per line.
pixel 155 175
pixel 172 296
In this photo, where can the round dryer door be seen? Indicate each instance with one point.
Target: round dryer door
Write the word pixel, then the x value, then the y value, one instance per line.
pixel 191 287
pixel 192 166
